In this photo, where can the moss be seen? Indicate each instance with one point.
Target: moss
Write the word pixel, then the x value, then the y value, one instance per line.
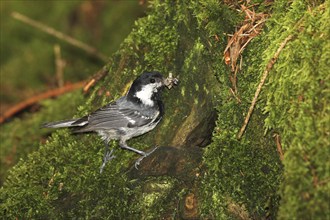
pixel 236 179
pixel 66 185
pixel 247 174
pixel 27 63
pixel 156 195
pixel 298 107
pixel 22 136
pixel 63 175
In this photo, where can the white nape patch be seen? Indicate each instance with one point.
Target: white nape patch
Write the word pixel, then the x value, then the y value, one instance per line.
pixel 146 93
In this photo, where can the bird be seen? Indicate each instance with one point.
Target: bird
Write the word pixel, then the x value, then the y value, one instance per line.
pixel 132 115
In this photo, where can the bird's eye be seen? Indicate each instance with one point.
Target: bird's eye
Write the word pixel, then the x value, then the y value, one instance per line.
pixel 152 80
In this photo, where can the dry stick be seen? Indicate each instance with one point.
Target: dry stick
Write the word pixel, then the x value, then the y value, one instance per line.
pixel 95 78
pixel 59 65
pixel 91 50
pixel 279 145
pixel 34 99
pixel 262 81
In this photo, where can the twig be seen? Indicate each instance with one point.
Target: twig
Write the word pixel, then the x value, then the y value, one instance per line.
pixel 243 47
pixel 59 65
pixel 279 145
pixel 236 97
pixel 30 101
pixel 51 31
pixel 95 78
pixel 262 81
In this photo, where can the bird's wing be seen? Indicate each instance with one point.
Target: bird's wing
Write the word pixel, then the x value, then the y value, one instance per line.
pixel 113 116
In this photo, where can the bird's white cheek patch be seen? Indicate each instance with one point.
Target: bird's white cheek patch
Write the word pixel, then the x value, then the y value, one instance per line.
pixel 145 94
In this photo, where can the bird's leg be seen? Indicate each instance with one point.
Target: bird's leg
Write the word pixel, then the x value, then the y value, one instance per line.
pixel 138 161
pixel 107 155
pixel 122 144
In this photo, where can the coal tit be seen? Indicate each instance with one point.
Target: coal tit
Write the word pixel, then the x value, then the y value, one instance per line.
pixel 134 114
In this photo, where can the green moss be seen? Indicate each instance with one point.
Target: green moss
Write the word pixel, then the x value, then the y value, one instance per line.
pixel 27 62
pixel 237 179
pixel 298 107
pixel 63 175
pixel 22 136
pixel 156 195
pixel 246 174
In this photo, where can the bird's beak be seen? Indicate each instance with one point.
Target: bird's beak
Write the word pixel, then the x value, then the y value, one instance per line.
pixel 170 81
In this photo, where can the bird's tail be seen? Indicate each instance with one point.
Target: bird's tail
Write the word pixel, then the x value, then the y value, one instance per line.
pixel 67 123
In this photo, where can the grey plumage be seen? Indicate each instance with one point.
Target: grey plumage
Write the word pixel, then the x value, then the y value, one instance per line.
pixel 132 115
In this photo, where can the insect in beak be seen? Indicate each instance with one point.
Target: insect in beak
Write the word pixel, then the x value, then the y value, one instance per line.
pixel 170 81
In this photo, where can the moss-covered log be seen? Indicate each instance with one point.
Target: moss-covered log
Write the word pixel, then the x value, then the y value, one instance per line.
pixel 201 169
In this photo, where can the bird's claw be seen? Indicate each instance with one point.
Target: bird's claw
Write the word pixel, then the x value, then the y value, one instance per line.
pixel 138 161
pixel 107 157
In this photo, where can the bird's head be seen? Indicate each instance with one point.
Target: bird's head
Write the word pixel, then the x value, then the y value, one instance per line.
pixel 147 87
